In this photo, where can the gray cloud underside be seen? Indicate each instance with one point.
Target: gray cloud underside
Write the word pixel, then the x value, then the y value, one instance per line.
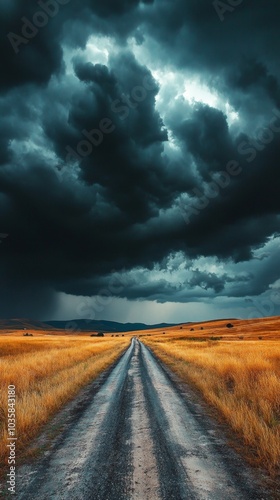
pixel 141 203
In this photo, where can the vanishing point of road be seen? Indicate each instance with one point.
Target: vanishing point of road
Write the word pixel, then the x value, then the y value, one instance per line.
pixel 140 437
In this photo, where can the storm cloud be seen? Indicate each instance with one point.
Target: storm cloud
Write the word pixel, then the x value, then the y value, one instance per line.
pixel 139 142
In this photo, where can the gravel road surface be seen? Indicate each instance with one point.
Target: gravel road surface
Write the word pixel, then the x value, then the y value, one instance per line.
pixel 140 437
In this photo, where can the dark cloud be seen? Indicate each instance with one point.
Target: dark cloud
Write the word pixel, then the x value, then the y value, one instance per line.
pixel 195 36
pixel 206 136
pixel 28 54
pixel 32 34
pixel 207 280
pixel 104 169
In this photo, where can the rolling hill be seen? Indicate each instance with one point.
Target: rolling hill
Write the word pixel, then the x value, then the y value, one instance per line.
pixel 83 325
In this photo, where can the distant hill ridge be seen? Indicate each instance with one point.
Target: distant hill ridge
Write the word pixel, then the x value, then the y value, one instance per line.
pixel 22 323
pixel 78 324
pixel 103 325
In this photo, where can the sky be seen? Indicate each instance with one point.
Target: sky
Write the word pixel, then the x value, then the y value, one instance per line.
pixel 139 159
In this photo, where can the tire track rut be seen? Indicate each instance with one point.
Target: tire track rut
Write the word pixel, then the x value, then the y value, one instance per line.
pixel 139 439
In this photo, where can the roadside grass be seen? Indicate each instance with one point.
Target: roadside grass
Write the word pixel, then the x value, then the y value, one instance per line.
pixel 240 379
pixel 47 372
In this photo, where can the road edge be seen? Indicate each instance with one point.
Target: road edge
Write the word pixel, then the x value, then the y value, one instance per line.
pixel 54 431
pixel 194 398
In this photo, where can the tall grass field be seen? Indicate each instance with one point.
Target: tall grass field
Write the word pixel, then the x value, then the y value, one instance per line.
pixel 237 374
pixel 47 371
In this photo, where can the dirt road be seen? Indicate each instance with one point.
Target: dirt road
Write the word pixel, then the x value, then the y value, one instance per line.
pixel 140 438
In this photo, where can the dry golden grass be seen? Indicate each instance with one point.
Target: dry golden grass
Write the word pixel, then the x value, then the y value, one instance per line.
pixel 47 372
pixel 268 328
pixel 240 379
